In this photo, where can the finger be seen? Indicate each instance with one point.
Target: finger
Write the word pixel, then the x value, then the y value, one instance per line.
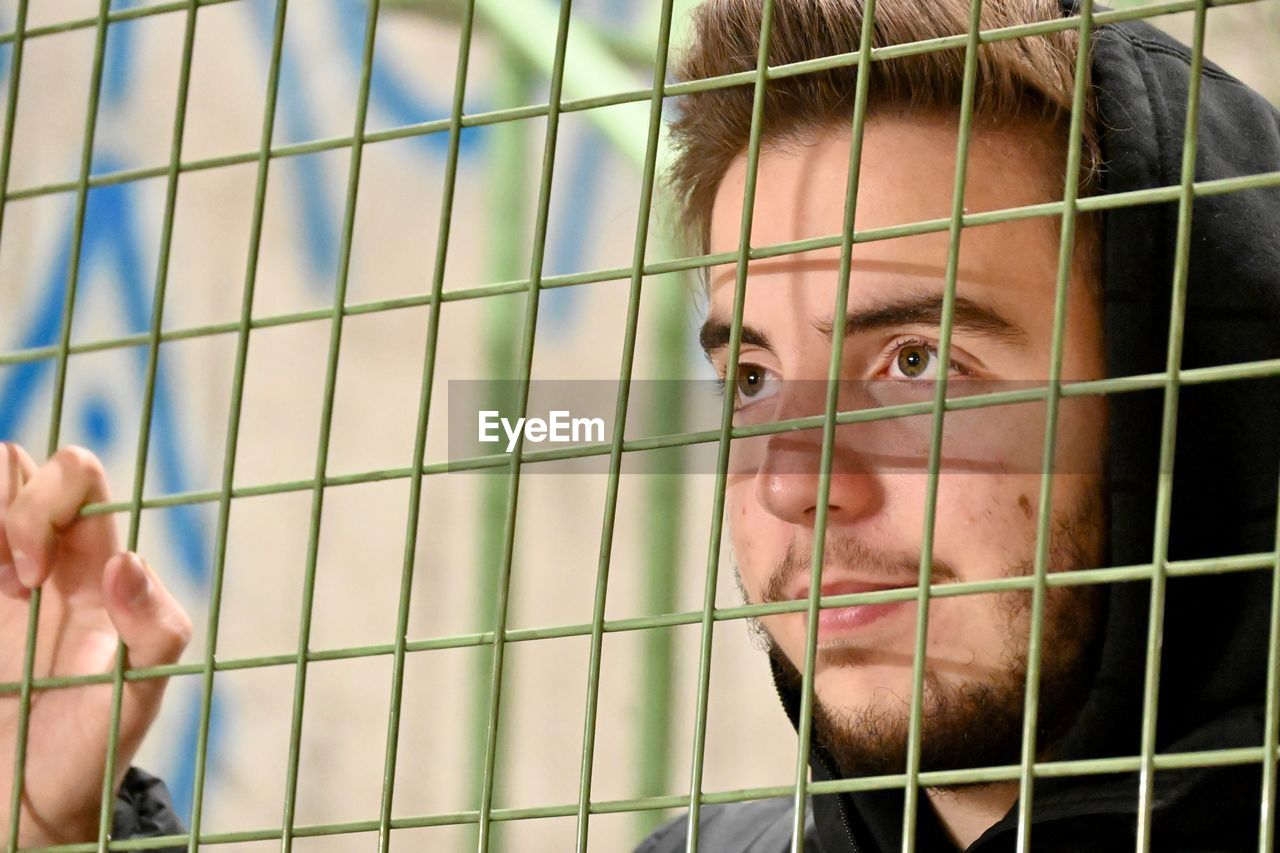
pixel 154 629
pixel 150 621
pixel 51 501
pixel 10 585
pixel 16 467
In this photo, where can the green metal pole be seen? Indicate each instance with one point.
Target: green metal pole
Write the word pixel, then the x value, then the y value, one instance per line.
pixel 664 533
pixel 509 173
pixel 303 654
pixel 420 441
pixel 142 449
pixel 1168 436
pixel 59 389
pixel 652 733
pixel 911 789
pixel 742 257
pixel 528 335
pixel 1066 251
pixel 234 411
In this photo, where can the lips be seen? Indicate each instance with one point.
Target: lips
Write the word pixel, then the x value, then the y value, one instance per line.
pixel 834 622
pixel 848 586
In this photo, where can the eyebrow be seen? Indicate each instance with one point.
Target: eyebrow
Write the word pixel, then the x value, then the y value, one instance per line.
pixel 715 334
pixel 967 315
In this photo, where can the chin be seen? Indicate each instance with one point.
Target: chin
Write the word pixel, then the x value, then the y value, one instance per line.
pixel 849 688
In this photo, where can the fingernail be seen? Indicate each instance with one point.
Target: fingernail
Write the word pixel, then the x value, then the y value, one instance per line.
pixel 133 583
pixel 25 567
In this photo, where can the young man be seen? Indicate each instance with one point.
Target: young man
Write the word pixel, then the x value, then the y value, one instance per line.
pixel 1104 474
pixel 1106 466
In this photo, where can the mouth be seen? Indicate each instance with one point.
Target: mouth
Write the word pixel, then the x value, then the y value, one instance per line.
pixel 839 622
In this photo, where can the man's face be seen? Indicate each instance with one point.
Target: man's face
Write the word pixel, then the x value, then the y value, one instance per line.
pixel 988 490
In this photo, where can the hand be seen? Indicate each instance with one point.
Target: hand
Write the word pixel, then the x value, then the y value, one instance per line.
pixel 94 596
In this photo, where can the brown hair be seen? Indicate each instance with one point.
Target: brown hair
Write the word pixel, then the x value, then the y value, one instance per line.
pixel 1027 77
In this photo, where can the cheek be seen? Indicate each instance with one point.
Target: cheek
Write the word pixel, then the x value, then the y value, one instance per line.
pixel 969 635
pixel 985 524
pixel 899 526
pixel 1082 439
pixel 749 534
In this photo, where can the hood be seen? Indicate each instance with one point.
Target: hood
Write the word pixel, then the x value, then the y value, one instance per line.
pixel 1226 468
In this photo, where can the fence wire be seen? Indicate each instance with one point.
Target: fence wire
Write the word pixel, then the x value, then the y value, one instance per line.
pixel 418 474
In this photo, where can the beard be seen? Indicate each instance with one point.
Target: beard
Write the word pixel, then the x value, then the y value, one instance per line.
pixel 971 722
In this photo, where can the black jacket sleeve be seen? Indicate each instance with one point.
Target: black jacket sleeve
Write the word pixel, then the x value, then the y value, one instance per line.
pixel 144 809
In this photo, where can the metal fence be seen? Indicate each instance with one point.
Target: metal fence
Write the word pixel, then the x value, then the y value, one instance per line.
pixel 631 117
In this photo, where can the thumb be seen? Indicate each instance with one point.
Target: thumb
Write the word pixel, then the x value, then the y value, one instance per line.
pixel 154 629
pixel 151 624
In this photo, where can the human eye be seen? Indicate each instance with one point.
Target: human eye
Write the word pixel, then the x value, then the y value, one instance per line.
pixel 916 359
pixel 752 384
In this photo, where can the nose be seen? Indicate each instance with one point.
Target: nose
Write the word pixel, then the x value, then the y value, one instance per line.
pixel 787 479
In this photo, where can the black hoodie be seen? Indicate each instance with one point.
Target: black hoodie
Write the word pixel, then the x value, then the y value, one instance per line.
pixel 1226 476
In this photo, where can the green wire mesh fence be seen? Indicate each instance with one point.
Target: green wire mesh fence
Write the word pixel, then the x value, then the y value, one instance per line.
pixel 585 77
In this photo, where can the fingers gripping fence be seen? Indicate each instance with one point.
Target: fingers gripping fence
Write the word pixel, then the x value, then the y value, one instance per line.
pixel 498 637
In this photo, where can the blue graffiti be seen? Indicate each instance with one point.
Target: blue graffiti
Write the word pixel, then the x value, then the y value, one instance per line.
pixel 296 124
pixel 319 216
pixel 111 241
pixel 578 202
pixel 114 242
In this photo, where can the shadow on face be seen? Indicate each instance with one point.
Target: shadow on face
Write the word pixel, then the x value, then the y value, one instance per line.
pixel 991 460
